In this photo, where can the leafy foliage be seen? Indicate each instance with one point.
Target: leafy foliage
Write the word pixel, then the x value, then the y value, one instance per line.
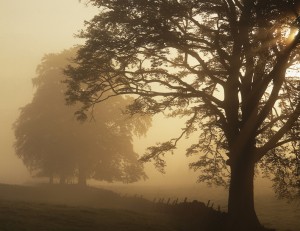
pixel 229 66
pixel 51 142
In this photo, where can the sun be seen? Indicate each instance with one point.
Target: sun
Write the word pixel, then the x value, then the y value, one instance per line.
pixel 289 33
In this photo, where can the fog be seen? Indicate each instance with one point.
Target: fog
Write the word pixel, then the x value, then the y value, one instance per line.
pixel 29 30
pixel 32 29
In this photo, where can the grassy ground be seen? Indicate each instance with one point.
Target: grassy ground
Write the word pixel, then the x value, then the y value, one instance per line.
pixel 72 208
pixel 21 216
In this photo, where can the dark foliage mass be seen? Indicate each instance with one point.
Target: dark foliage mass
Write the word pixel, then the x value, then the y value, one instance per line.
pixel 52 143
pixel 229 67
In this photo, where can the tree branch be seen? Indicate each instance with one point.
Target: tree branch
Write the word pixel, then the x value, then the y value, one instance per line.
pixel 281 132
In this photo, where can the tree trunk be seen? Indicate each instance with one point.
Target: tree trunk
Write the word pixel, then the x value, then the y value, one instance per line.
pixel 51 179
pixel 81 178
pixel 62 179
pixel 241 211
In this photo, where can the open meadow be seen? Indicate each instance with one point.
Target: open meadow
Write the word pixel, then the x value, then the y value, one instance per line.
pixel 62 208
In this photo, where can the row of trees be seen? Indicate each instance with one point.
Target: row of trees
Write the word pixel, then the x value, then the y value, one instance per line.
pixel 229 67
pixel 53 143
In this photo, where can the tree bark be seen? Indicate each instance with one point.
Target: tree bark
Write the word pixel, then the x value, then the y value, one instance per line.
pixel 241 211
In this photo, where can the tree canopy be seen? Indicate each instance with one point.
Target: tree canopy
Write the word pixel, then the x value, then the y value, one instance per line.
pixel 51 142
pixel 229 67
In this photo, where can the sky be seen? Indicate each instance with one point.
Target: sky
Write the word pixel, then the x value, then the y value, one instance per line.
pixel 29 30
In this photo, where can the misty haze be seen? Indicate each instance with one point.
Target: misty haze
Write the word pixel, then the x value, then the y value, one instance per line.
pixel 150 115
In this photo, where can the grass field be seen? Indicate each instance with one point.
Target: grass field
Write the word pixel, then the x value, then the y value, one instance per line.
pixel 69 207
pixel 31 216
pixel 62 208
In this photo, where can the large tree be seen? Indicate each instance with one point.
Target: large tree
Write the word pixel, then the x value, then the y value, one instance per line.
pixel 52 143
pixel 230 67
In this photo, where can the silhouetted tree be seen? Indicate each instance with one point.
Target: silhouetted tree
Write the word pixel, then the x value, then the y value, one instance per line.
pixel 230 66
pixel 51 142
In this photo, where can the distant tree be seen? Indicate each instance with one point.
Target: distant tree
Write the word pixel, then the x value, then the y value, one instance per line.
pixel 231 67
pixel 51 142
